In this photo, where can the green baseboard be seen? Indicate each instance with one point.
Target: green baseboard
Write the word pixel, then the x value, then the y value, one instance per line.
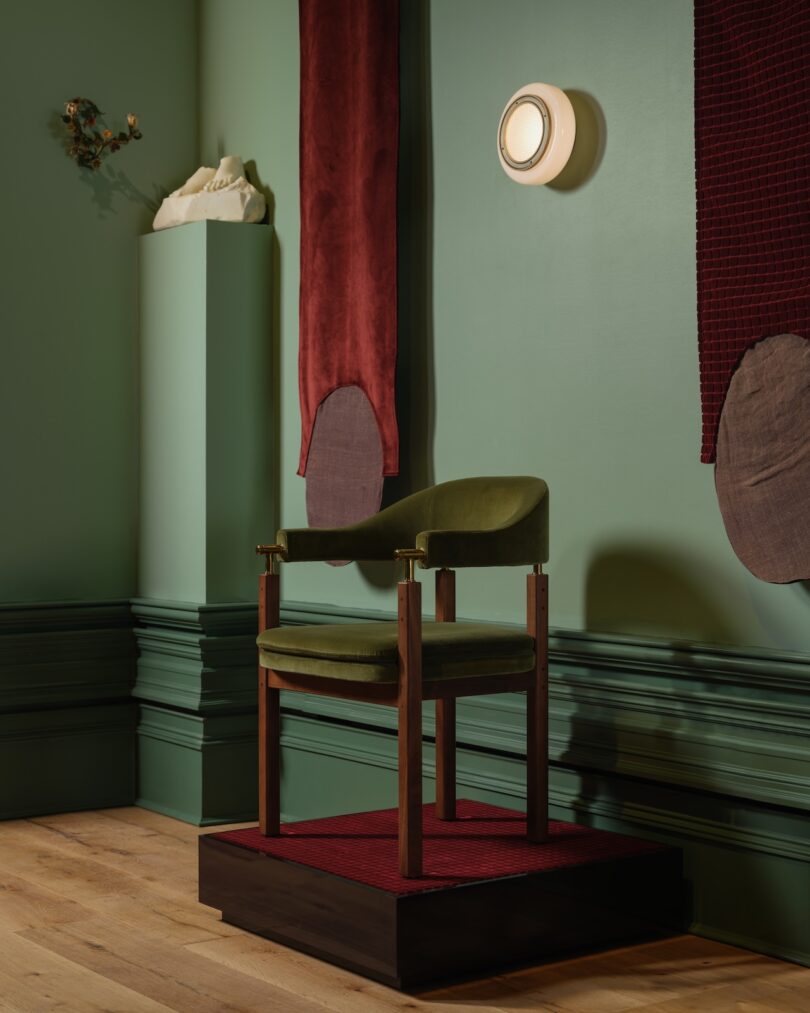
pixel 196 767
pixel 66 760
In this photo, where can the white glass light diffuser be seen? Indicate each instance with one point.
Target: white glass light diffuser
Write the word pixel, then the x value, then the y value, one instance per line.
pixel 536 134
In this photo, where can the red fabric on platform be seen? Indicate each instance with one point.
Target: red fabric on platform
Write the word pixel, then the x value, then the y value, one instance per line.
pixel 752 150
pixel 485 842
pixel 349 138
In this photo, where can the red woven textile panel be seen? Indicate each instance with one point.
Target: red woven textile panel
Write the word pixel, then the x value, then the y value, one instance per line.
pixel 752 150
pixel 349 141
pixel 485 842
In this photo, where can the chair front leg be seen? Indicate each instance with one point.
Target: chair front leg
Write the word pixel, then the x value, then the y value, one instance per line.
pixel 537 711
pixel 409 600
pixel 269 757
pixel 269 718
pixel 446 709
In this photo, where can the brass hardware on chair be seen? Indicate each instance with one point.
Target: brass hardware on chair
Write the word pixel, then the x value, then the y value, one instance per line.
pixel 537 568
pixel 269 552
pixel 410 556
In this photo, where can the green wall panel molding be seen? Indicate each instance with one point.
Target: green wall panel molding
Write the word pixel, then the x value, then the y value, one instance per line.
pixel 67 759
pixel 194 657
pixel 198 768
pixel 197 687
pixel 729 721
pixel 221 618
pixel 206 410
pixel 62 654
pixel 67 721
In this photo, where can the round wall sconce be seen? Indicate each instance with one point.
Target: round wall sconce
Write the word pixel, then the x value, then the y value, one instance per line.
pixel 536 134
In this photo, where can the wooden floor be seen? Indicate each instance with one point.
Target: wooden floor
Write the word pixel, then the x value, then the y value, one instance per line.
pixel 98 911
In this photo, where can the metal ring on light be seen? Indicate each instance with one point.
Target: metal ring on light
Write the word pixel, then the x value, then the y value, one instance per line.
pixel 554 147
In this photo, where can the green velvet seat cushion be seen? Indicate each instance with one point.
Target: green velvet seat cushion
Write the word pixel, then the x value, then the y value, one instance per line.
pixel 367 652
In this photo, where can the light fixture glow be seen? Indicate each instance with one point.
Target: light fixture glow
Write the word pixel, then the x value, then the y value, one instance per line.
pixel 536 134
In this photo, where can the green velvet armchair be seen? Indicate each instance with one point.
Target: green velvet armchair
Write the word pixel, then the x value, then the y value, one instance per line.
pixel 470 522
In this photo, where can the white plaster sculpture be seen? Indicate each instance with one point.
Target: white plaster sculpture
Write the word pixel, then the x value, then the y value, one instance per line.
pixel 222 194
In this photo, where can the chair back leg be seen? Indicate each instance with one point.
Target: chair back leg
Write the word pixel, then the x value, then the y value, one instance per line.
pixel 446 759
pixel 537 711
pixel 410 727
pixel 269 718
pixel 446 709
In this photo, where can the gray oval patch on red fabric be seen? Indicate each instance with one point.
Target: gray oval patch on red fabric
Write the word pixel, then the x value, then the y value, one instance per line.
pixel 345 463
pixel 763 459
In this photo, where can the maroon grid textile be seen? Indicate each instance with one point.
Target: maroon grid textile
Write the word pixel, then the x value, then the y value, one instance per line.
pixel 752 153
pixel 485 842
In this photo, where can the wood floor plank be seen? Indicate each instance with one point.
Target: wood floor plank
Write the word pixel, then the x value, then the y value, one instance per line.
pixel 165 825
pixel 338 990
pixel 729 999
pixel 75 877
pixel 172 975
pixel 174 920
pixel 24 904
pixel 34 980
pixel 682 973
pixel 162 863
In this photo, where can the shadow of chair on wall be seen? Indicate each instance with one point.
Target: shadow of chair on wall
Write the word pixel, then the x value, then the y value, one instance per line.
pixel 636 591
pixel 640 591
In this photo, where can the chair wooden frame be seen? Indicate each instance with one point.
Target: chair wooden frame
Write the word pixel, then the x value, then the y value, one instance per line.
pixel 407 696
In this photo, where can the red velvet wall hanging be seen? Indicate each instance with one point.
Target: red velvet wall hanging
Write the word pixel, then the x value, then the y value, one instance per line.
pixel 348 298
pixel 752 138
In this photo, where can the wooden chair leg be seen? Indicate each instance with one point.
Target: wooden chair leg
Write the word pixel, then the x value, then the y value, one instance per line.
pixel 446 709
pixel 537 712
pixel 269 757
pixel 269 718
pixel 410 728
pixel 446 759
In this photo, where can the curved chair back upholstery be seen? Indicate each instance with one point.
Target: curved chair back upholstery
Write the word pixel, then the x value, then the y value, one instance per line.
pixel 499 521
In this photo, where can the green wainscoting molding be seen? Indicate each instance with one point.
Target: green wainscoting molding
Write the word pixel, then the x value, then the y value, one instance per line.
pixel 704 747
pixel 67 720
pixel 197 732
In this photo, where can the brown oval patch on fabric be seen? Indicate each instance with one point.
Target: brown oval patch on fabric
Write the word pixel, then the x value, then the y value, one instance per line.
pixel 345 463
pixel 763 459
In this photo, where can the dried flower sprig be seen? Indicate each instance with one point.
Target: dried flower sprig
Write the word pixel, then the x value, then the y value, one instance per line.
pixel 87 144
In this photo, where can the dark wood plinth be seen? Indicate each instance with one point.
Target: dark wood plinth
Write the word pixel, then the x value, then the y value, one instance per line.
pixel 471 930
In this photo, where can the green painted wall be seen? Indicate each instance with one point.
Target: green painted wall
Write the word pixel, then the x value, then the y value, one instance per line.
pixel 68 316
pixel 558 325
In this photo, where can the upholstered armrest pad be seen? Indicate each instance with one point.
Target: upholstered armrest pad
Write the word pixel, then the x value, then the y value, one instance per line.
pixel 450 522
pixel 365 540
pixel 501 547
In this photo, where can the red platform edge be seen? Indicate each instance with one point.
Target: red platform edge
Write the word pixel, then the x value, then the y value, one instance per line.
pixel 484 842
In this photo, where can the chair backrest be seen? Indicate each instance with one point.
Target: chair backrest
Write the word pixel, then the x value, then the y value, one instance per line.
pixel 498 521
